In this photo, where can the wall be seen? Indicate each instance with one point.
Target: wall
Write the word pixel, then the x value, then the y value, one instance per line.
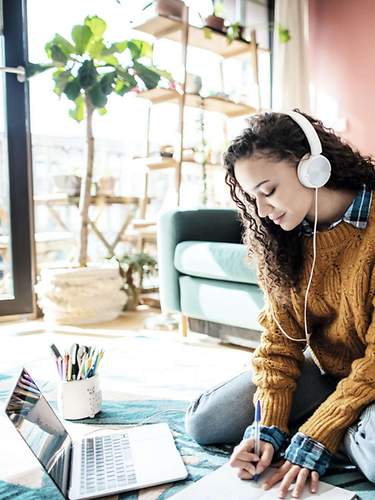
pixel 342 67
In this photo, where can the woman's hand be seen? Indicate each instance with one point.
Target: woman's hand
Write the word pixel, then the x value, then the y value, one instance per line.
pixel 287 474
pixel 249 464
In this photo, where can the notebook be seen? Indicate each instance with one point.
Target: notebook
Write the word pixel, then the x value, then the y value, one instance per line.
pixel 224 484
pixel 96 465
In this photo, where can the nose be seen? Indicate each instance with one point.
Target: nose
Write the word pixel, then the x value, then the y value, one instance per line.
pixel 264 208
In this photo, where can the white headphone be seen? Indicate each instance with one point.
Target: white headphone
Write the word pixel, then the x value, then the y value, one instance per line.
pixel 314 169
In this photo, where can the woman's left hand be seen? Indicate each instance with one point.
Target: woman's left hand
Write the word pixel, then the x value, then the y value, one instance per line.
pixel 289 473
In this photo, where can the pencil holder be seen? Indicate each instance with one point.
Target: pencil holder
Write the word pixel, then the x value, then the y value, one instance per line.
pixel 80 398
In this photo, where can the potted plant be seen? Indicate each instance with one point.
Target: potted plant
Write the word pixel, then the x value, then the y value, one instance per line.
pixel 87 71
pixel 215 20
pixel 134 268
pixel 168 8
pixel 234 31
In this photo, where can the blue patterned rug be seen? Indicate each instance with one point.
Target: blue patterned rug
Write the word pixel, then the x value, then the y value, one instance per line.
pixel 199 460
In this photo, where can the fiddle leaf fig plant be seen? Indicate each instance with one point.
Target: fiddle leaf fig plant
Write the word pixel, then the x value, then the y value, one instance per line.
pixel 87 70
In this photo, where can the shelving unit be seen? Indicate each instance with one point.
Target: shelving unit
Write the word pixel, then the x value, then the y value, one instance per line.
pixel 165 27
pixel 211 103
pixel 191 36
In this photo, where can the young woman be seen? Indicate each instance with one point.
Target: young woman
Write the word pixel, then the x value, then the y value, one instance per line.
pixel 314 371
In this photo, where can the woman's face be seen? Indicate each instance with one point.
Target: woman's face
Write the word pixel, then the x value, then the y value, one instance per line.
pixel 275 187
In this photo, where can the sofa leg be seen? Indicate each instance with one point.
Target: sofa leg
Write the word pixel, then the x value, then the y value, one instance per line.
pixel 184 325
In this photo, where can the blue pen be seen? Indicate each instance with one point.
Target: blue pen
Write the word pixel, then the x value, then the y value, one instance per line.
pixel 257 420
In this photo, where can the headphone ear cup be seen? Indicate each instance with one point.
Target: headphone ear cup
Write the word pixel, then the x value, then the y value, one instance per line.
pixel 314 171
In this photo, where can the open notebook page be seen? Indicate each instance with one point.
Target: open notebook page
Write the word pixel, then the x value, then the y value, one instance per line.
pixel 224 484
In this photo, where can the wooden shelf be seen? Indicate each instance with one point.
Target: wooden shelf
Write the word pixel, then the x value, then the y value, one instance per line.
pixel 156 162
pixel 65 199
pixel 210 103
pixel 164 27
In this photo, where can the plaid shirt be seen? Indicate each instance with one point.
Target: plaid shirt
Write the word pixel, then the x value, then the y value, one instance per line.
pixel 357 214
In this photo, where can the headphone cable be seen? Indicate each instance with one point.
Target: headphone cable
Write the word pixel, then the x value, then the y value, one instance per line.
pixel 307 334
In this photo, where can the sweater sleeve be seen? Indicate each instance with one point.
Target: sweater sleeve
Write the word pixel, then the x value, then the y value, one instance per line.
pixel 353 393
pixel 277 365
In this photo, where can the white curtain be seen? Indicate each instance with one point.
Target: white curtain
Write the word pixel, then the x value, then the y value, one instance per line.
pixel 290 88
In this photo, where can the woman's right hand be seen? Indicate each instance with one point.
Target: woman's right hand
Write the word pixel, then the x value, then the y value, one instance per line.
pixel 248 464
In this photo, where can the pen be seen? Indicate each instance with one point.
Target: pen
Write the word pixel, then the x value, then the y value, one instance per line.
pixel 257 433
pixel 73 357
pixel 55 351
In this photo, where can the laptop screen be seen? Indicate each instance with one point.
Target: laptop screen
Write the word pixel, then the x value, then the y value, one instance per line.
pixel 43 432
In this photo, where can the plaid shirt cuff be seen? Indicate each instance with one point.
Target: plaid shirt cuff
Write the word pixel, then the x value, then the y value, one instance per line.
pixel 308 453
pixel 271 435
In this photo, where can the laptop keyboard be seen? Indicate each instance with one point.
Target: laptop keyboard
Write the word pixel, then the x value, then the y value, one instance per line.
pixel 106 463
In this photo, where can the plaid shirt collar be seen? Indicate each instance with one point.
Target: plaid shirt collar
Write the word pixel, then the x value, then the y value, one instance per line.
pixel 357 214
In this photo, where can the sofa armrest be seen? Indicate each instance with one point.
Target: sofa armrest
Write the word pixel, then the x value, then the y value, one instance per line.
pixel 176 226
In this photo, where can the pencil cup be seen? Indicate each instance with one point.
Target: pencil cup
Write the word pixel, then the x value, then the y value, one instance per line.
pixel 80 398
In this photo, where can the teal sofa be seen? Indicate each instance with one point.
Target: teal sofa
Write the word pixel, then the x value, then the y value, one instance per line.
pixel 203 274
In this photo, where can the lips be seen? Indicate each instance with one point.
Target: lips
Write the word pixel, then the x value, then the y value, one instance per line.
pixel 278 219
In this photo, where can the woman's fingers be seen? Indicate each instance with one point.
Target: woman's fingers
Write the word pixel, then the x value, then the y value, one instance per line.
pixel 242 464
pixel 266 456
pixel 314 483
pixel 277 476
pixel 288 479
pixel 249 457
pixel 288 474
pixel 300 483
pixel 244 474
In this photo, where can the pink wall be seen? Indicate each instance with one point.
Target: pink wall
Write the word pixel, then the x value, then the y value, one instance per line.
pixel 342 66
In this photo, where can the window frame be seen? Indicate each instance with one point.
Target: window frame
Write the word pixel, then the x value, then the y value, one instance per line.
pixel 19 163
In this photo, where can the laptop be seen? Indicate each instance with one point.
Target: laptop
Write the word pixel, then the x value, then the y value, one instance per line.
pixel 94 466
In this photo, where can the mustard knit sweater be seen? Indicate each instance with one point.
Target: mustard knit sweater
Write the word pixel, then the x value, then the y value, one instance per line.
pixel 341 318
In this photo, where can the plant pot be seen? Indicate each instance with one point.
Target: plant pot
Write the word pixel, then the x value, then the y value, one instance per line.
pixel 69 184
pixel 214 22
pixel 81 295
pixel 193 83
pixel 170 8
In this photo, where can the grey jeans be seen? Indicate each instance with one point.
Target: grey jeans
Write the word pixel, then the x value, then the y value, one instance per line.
pixel 221 414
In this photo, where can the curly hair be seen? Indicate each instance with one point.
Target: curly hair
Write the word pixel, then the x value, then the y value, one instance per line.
pixel 275 136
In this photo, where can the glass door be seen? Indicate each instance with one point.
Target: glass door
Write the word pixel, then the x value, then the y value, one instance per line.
pixel 16 255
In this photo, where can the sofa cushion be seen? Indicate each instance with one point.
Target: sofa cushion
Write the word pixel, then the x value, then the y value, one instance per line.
pixel 214 260
pixel 236 304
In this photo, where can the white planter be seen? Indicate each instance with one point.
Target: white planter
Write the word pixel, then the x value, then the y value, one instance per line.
pixel 79 296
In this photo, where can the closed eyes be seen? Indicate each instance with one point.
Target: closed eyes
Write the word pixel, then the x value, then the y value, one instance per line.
pixel 269 194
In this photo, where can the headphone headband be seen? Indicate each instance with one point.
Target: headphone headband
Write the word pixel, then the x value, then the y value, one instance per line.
pixel 308 129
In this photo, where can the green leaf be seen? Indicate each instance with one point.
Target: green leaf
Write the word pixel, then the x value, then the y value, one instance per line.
pixel 139 48
pixel 125 85
pixel 34 69
pixel 81 35
pixel 110 59
pixel 96 25
pixel 59 49
pixel 78 113
pixel 98 98
pixel 61 77
pixel 107 81
pixel 72 89
pixel 149 77
pixel 96 48
pixel 102 111
pixel 55 53
pixel 87 74
pixel 161 72
pixel 207 32
pixel 116 47
pixel 64 44
pixel 284 34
